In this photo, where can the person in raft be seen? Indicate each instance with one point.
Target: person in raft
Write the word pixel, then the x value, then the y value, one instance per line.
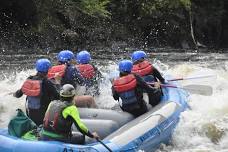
pixel 129 88
pixel 144 68
pixel 60 116
pixel 39 90
pixel 67 73
pixel 150 74
pixel 89 72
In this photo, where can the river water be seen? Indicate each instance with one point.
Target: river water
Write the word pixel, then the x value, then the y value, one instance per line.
pixel 202 129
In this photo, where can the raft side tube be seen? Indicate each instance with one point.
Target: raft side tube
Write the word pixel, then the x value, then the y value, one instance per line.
pixel 105 114
pixel 102 127
pixel 142 124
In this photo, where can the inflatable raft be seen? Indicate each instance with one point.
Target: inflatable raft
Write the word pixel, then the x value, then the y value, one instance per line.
pixel 119 130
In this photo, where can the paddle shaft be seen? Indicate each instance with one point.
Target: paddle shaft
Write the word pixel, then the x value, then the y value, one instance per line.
pixel 104 145
pixel 190 78
pixel 195 89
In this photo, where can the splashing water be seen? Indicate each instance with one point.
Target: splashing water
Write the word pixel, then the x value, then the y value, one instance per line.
pixel 202 129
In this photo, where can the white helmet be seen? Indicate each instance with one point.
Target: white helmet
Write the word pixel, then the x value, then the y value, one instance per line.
pixel 67 91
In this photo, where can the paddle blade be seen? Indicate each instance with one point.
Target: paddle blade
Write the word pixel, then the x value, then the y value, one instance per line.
pixel 199 89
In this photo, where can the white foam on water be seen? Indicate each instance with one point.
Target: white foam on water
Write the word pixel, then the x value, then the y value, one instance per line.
pixel 190 134
pixel 193 132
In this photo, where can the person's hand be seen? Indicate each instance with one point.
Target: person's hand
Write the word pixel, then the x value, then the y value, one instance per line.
pixel 157 84
pixel 165 81
pixel 95 135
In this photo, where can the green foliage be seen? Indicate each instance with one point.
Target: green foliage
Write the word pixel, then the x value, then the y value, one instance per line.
pixel 94 7
pixel 186 3
pixel 69 9
pixel 149 7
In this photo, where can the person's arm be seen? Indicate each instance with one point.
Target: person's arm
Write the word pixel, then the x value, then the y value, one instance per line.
pixel 72 112
pixel 143 84
pixel 158 75
pixel 18 93
pixel 52 90
pixel 115 94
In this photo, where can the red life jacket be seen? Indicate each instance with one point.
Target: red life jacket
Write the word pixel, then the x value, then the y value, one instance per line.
pixel 58 70
pixel 142 68
pixel 87 70
pixel 125 83
pixel 31 87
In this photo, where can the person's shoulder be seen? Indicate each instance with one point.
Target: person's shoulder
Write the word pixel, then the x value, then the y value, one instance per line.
pixel 71 109
pixel 48 82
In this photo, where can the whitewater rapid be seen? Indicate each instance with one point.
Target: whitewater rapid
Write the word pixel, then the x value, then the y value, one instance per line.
pixel 203 128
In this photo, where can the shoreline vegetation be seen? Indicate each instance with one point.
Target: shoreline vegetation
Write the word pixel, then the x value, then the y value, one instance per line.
pixel 77 24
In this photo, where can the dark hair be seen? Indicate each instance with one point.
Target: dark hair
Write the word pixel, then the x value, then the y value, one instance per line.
pixel 42 74
pixel 124 73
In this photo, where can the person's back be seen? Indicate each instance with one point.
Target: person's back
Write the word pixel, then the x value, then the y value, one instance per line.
pixel 72 76
pixel 65 72
pixel 39 90
pixel 89 72
pixel 59 118
pixel 128 87
pixel 144 68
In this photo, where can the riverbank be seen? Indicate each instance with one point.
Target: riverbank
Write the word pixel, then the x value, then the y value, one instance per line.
pixel 53 25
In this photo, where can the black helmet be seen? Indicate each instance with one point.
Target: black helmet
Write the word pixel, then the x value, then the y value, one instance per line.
pixel 67 91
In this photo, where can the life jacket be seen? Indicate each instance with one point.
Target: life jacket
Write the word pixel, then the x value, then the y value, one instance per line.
pixel 144 69
pixel 54 121
pixel 58 70
pixel 32 88
pixel 125 87
pixel 87 70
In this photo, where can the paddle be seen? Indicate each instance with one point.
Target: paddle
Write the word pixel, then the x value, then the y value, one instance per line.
pixel 194 89
pixel 190 78
pixel 104 144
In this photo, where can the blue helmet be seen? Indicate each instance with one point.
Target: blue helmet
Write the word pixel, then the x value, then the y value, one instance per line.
pixel 83 57
pixel 65 56
pixel 42 65
pixel 125 66
pixel 137 55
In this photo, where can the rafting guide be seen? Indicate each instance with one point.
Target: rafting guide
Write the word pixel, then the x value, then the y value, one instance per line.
pixel 60 116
